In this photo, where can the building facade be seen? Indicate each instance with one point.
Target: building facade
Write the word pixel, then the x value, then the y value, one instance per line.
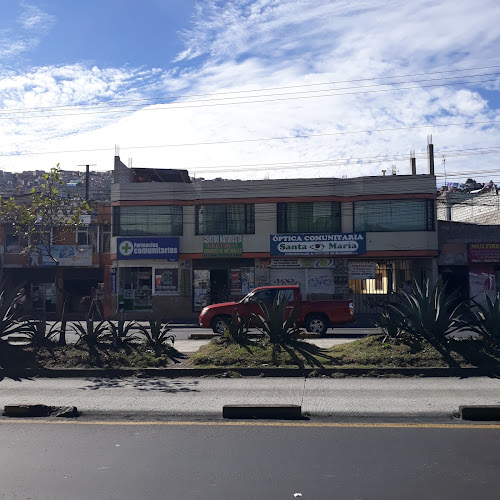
pixel 178 245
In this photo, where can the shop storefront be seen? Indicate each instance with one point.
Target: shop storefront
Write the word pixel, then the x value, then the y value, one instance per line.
pixel 484 270
pixel 147 268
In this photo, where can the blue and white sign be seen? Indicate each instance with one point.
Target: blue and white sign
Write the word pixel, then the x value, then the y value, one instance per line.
pixel 317 244
pixel 148 248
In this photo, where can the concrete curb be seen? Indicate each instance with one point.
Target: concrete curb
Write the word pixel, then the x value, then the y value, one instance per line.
pixel 249 372
pixel 480 412
pixel 39 410
pixel 282 412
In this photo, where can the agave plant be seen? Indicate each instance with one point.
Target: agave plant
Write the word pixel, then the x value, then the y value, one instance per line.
pixel 91 334
pixel 36 332
pixel 157 335
pixel 428 312
pixel 274 323
pixel 236 331
pixel 123 332
pixel 486 319
pixel 392 325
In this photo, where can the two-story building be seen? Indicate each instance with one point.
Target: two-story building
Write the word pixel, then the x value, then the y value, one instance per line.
pixel 178 245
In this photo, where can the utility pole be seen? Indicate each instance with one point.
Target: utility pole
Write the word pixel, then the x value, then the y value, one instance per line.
pixel 87 176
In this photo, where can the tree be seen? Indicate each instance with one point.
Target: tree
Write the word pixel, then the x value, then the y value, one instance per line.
pixel 47 212
pixel 46 218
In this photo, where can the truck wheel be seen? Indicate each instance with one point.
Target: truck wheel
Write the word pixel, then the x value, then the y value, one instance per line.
pixel 316 324
pixel 220 324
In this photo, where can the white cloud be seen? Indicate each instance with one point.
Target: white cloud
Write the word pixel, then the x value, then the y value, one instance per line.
pixel 234 47
pixel 35 19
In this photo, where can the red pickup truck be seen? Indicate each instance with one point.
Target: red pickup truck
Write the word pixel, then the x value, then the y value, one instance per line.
pixel 315 316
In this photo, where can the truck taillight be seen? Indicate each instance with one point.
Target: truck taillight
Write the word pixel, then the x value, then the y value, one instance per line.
pixel 351 308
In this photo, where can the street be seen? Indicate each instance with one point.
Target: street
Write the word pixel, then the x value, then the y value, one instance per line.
pixel 248 460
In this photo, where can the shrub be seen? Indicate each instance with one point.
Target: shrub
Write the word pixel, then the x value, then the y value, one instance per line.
pixel 486 319
pixel 122 333
pixel 237 330
pixel 91 335
pixel 428 312
pixel 274 323
pixel 157 336
pixel 36 332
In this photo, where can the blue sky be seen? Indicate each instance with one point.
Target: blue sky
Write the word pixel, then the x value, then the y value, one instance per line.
pixel 251 88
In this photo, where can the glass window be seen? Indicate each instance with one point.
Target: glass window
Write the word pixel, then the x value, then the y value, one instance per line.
pixel 225 219
pixel 105 238
pixel 147 221
pixel 309 217
pixel 394 215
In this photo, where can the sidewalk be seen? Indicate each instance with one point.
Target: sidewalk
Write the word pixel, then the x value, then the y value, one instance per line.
pixel 157 398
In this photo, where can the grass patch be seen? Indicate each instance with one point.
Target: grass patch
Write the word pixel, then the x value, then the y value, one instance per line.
pixel 16 358
pixel 368 352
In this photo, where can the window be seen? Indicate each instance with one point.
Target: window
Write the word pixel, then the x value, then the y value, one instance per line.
pixel 88 235
pixel 225 219
pixel 147 221
pixel 394 215
pixel 314 217
pixel 14 243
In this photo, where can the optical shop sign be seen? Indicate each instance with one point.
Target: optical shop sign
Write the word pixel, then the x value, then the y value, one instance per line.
pixel 318 244
pixel 148 248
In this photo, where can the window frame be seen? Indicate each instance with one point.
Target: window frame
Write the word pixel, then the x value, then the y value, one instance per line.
pixel 175 226
pixel 248 222
pixel 429 217
pixel 283 222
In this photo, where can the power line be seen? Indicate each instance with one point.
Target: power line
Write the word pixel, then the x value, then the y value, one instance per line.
pixel 262 139
pixel 174 106
pixel 153 99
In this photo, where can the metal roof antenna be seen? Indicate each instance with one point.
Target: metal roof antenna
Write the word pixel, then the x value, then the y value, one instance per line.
pixel 413 162
pixel 117 150
pixel 394 169
pixel 130 163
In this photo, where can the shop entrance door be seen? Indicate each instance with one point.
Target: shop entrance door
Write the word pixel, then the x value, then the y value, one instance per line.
pixel 219 286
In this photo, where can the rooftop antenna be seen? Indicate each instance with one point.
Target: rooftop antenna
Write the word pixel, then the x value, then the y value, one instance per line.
pixel 130 163
pixel 413 162
pixel 394 169
pixel 117 150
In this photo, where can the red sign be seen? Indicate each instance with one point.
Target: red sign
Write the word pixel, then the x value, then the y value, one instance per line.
pixel 484 252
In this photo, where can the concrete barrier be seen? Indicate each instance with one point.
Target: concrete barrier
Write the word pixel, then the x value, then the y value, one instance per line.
pixel 480 412
pixel 286 412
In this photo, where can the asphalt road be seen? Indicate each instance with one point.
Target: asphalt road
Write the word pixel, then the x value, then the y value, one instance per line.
pixel 199 460
pixel 186 397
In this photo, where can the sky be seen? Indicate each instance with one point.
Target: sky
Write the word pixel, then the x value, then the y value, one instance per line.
pixel 252 89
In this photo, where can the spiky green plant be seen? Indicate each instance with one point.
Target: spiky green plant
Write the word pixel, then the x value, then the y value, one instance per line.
pixel 274 323
pixel 123 332
pixel 429 312
pixel 37 334
pixel 392 325
pixel 486 319
pixel 157 335
pixel 237 330
pixel 90 334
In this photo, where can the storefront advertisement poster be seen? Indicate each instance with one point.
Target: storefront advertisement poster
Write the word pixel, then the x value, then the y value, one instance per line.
pixel 317 244
pixel 235 275
pixel 324 263
pixel 481 280
pixel 484 252
pixel 64 255
pixel 148 248
pixel 166 282
pixel 362 270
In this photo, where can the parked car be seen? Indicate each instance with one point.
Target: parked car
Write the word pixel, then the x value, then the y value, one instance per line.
pixel 315 316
